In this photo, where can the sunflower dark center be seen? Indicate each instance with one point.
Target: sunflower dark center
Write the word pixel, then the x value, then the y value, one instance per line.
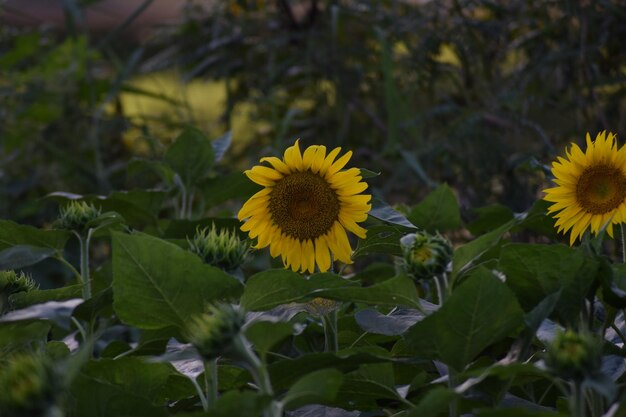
pixel 303 205
pixel 600 189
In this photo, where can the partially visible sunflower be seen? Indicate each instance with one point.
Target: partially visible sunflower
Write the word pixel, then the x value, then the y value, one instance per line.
pixel 306 207
pixel 591 187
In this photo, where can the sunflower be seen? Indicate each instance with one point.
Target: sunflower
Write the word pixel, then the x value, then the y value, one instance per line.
pixel 306 207
pixel 591 187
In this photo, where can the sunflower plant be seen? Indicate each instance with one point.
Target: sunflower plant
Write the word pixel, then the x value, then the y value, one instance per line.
pixel 426 309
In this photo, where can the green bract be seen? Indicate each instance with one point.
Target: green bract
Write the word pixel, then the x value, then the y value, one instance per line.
pixel 221 248
pixel 425 255
pixel 77 215
pixel 574 355
pixel 28 387
pixel 213 333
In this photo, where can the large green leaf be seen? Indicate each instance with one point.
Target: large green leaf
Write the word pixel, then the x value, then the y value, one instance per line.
pixel 13 234
pixel 534 271
pixel 157 284
pixel 399 290
pixel 191 156
pixel 219 189
pixel 20 256
pixel 274 287
pixel 21 334
pixel 318 387
pixel 25 299
pixel 467 255
pixel 481 311
pixel 269 289
pixel 439 211
pixel 126 386
pixel 381 238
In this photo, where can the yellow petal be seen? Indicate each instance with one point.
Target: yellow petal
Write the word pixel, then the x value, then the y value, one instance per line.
pixel 278 165
pixel 340 163
pixel 321 254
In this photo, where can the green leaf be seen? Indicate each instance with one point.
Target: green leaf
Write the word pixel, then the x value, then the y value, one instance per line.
pixel 397 291
pixel 240 404
pixel 466 256
pixel 20 256
pixel 385 213
pixel 284 373
pixel 380 239
pixel 99 304
pixel 534 271
pixel 435 402
pixel 265 334
pixel 157 284
pixel 25 299
pixel 439 211
pixel 191 156
pixel 13 234
pixel 126 386
pixel 480 311
pixel 319 387
pixel 274 287
pixel 23 334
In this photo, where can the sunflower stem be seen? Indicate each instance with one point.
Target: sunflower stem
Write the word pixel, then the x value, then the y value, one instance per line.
pixel 84 263
pixel 621 227
pixel 442 288
pixel 577 399
pixel 329 322
pixel 210 381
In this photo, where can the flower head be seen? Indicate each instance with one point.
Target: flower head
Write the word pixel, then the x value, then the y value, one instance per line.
pixel 223 249
pixel 591 187
pixel 306 207
pixel 213 333
pixel 77 215
pixel 27 386
pixel 425 255
pixel 572 355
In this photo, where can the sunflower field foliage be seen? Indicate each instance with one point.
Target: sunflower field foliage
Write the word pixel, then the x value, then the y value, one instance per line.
pixel 376 209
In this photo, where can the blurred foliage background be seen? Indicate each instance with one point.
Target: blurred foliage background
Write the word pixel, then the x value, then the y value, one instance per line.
pixel 480 94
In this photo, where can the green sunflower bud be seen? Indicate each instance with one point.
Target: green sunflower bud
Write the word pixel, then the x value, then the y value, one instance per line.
pixel 27 387
pixel 214 332
pixel 77 215
pixel 12 283
pixel 425 255
pixel 221 248
pixel 573 355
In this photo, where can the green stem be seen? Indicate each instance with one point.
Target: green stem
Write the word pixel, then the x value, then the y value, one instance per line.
pixel 622 227
pixel 259 374
pixel 577 400
pixel 84 263
pixel 452 382
pixel 203 400
pixel 210 380
pixel 329 322
pixel 442 288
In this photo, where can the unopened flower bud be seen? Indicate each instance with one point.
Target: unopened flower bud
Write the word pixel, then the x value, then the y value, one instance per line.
pixel 77 216
pixel 12 283
pixel 27 387
pixel 221 248
pixel 214 332
pixel 425 255
pixel 573 355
